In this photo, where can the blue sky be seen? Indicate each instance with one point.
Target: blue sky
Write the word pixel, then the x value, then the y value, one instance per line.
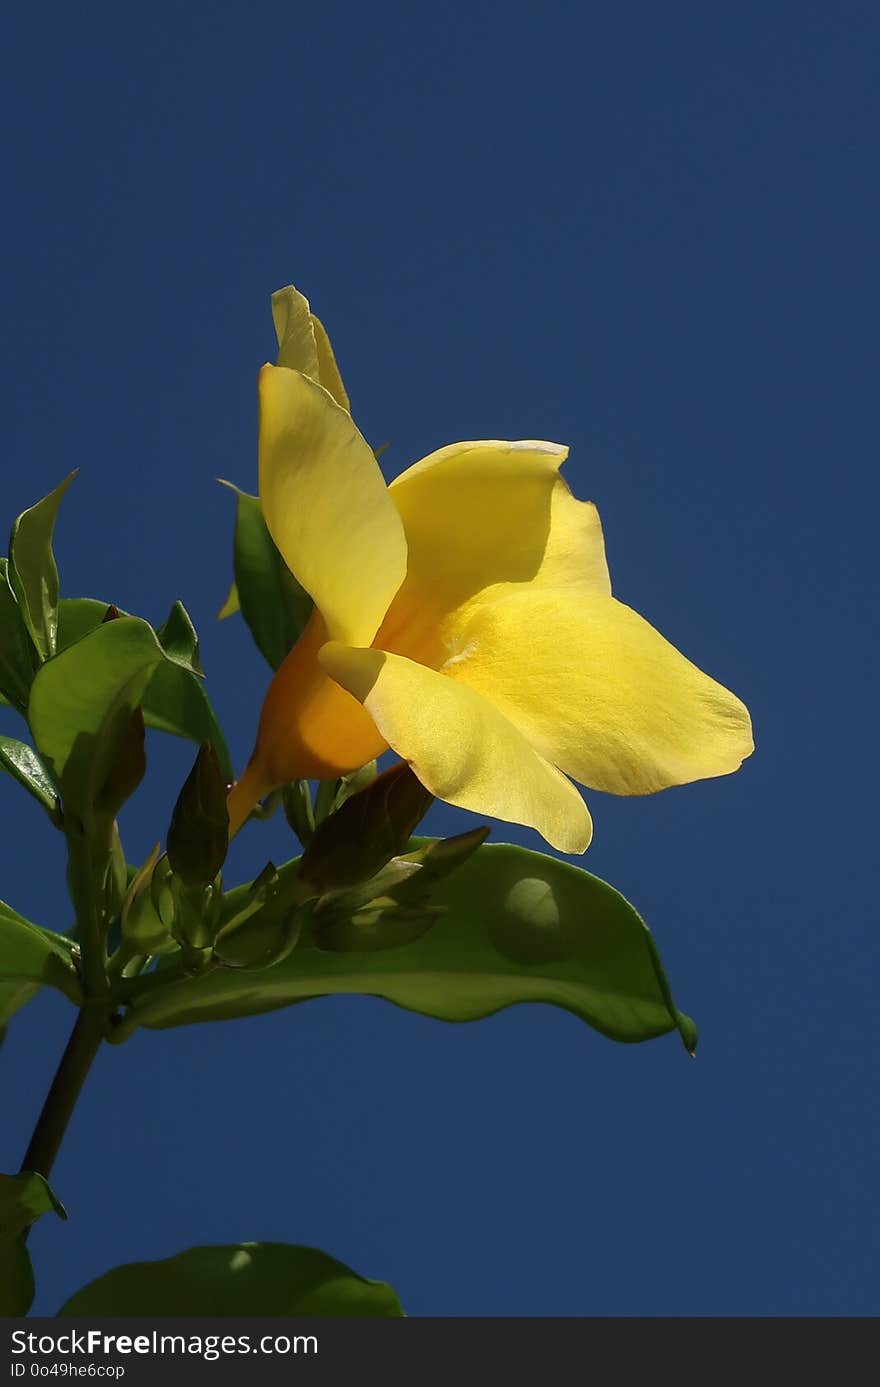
pixel 649 232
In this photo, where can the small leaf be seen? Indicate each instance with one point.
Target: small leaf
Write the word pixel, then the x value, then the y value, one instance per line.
pixel 198 838
pixel 354 783
pixel 242 1279
pixel 177 637
pixel 21 762
pixel 261 942
pixel 371 827
pixel 272 602
pixel 261 922
pixel 518 927
pixel 32 569
pixel 18 658
pixel 23 1199
pixel 83 709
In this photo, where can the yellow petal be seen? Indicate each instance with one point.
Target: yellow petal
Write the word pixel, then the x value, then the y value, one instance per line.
pixel 460 747
pixel 600 693
pixel 297 348
pixel 479 516
pixel 328 371
pixel 326 505
pixel 303 344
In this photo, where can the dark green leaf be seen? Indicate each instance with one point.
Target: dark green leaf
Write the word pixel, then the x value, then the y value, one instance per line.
pixel 518 927
pixel 23 1199
pixel 32 569
pixel 83 712
pixel 18 657
pixel 271 601
pixel 244 1279
pixel 176 700
pixel 21 762
pixel 369 829
pixel 198 838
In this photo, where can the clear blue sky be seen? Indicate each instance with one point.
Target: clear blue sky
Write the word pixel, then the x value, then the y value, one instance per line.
pixel 648 231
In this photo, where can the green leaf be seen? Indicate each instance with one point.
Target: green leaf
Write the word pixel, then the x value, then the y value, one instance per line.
pixel 18 658
pixel 32 569
pixel 77 616
pixel 23 1199
pixel 175 701
pixel 24 765
pixel 31 957
pixel 518 927
pixel 198 838
pixel 177 637
pixel 271 601
pixel 242 1279
pixel 83 708
pixel 16 1277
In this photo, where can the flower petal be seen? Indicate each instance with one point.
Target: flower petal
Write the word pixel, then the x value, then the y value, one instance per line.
pixel 600 693
pixel 303 344
pixel 483 515
pixel 460 747
pixel 297 348
pixel 327 506
pixel 328 371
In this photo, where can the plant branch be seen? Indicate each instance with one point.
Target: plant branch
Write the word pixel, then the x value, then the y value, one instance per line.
pixel 82 1047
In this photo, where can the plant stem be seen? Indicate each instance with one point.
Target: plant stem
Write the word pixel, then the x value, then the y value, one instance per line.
pixel 81 884
pixel 82 1047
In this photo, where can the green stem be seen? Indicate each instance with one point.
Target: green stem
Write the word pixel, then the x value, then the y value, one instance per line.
pixel 82 1047
pixel 81 883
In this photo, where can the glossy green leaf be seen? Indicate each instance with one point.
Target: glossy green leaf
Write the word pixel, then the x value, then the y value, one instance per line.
pixel 33 573
pixel 518 927
pixel 270 599
pixel 18 658
pixel 83 708
pixel 23 1199
pixel 198 838
pixel 176 700
pixel 24 765
pixel 242 1279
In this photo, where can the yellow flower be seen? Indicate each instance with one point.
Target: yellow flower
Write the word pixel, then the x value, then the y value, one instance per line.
pixel 464 618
